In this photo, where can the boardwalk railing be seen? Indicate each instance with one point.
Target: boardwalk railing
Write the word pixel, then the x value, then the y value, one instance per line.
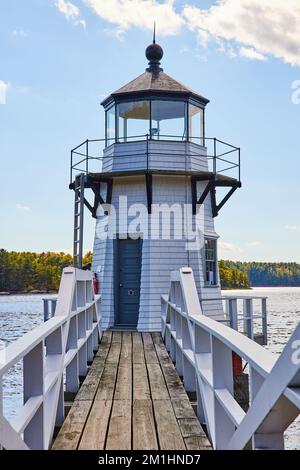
pixel 202 350
pixel 246 314
pixel 49 306
pixel 54 355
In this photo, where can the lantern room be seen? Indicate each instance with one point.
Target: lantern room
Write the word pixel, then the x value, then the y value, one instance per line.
pixel 154 106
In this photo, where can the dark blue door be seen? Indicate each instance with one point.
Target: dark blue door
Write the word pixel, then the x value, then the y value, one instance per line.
pixel 128 277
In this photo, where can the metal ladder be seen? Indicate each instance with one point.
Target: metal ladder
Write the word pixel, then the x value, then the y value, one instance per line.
pixel 78 220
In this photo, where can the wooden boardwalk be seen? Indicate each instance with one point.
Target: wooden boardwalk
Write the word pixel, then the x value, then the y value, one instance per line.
pixel 131 399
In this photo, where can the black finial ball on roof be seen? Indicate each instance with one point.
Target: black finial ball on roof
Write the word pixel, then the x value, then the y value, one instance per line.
pixel 154 54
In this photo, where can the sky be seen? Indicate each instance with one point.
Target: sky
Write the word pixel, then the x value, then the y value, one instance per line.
pixel 59 59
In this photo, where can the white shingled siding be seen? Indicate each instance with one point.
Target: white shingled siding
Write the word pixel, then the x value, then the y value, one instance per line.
pixel 155 155
pixel 159 257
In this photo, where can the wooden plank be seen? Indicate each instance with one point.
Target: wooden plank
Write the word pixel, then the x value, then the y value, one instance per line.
pixel 144 432
pixel 197 443
pixel 161 351
pixel 141 389
pixel 119 431
pixel 137 348
pixel 107 383
pixel 174 384
pixel 95 430
pixel 105 344
pixel 89 387
pixel 126 350
pixel 157 383
pixel 149 349
pixel 124 383
pixel 69 435
pixel 190 427
pixel 169 434
pixel 183 409
pixel 115 348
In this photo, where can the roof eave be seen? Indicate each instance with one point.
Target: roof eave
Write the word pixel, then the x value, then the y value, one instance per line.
pixel 152 92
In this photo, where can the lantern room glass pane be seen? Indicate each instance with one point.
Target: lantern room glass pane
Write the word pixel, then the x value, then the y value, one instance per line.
pixel 168 120
pixel 133 120
pixel 110 125
pixel 196 120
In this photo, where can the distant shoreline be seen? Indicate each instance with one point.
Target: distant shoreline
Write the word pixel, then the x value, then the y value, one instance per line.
pixel 35 292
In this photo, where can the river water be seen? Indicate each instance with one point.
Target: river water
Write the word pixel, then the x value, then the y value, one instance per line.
pixel 20 313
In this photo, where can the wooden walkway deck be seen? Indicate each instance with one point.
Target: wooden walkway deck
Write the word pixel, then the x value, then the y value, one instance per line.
pixel 131 399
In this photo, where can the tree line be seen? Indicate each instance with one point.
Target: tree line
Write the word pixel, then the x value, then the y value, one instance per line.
pixel 29 272
pixel 268 274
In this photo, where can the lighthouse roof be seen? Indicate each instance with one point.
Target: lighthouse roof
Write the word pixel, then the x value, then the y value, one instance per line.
pixel 154 81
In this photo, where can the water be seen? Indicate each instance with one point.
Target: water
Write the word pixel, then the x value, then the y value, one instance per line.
pixel 19 314
pixel 283 317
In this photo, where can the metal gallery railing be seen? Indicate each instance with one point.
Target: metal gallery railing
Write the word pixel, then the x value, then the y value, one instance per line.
pixel 202 350
pixel 223 158
pixel 53 356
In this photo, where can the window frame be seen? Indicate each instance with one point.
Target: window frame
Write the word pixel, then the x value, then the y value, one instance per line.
pixel 187 102
pixel 110 141
pixel 213 261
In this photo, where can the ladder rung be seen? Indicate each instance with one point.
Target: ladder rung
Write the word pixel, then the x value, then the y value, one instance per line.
pixel 77 214
pixel 76 241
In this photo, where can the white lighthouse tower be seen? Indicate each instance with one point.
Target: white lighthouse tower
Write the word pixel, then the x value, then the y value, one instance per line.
pixel 155 198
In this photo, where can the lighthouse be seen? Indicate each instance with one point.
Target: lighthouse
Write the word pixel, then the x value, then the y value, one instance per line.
pixel 156 194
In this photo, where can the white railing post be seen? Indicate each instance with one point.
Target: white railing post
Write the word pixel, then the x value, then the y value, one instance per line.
pixel 72 370
pixel 178 349
pixel 248 318
pixel 233 313
pixel 33 386
pixel 189 377
pixel 264 320
pixel 205 396
pixel 223 381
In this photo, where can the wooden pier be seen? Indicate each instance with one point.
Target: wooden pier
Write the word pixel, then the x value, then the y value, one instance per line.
pixel 131 396
pixel 131 399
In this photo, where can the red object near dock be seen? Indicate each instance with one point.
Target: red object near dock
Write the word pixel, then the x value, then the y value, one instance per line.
pixel 237 364
pixel 96 284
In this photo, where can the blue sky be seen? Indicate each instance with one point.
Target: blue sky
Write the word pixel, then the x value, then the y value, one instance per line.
pixel 59 59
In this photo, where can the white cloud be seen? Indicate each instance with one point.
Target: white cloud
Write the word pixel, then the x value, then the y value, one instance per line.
pixel 71 12
pixel 252 54
pixel 4 86
pixel 125 14
pixel 19 33
pixel 229 247
pixel 21 207
pixel 68 9
pixel 255 27
pixel 293 228
pixel 255 243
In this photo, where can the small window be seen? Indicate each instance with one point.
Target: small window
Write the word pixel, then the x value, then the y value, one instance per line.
pixel 110 125
pixel 196 127
pixel 211 262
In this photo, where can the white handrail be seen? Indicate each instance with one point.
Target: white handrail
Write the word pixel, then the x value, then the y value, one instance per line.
pixel 61 347
pixel 202 351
